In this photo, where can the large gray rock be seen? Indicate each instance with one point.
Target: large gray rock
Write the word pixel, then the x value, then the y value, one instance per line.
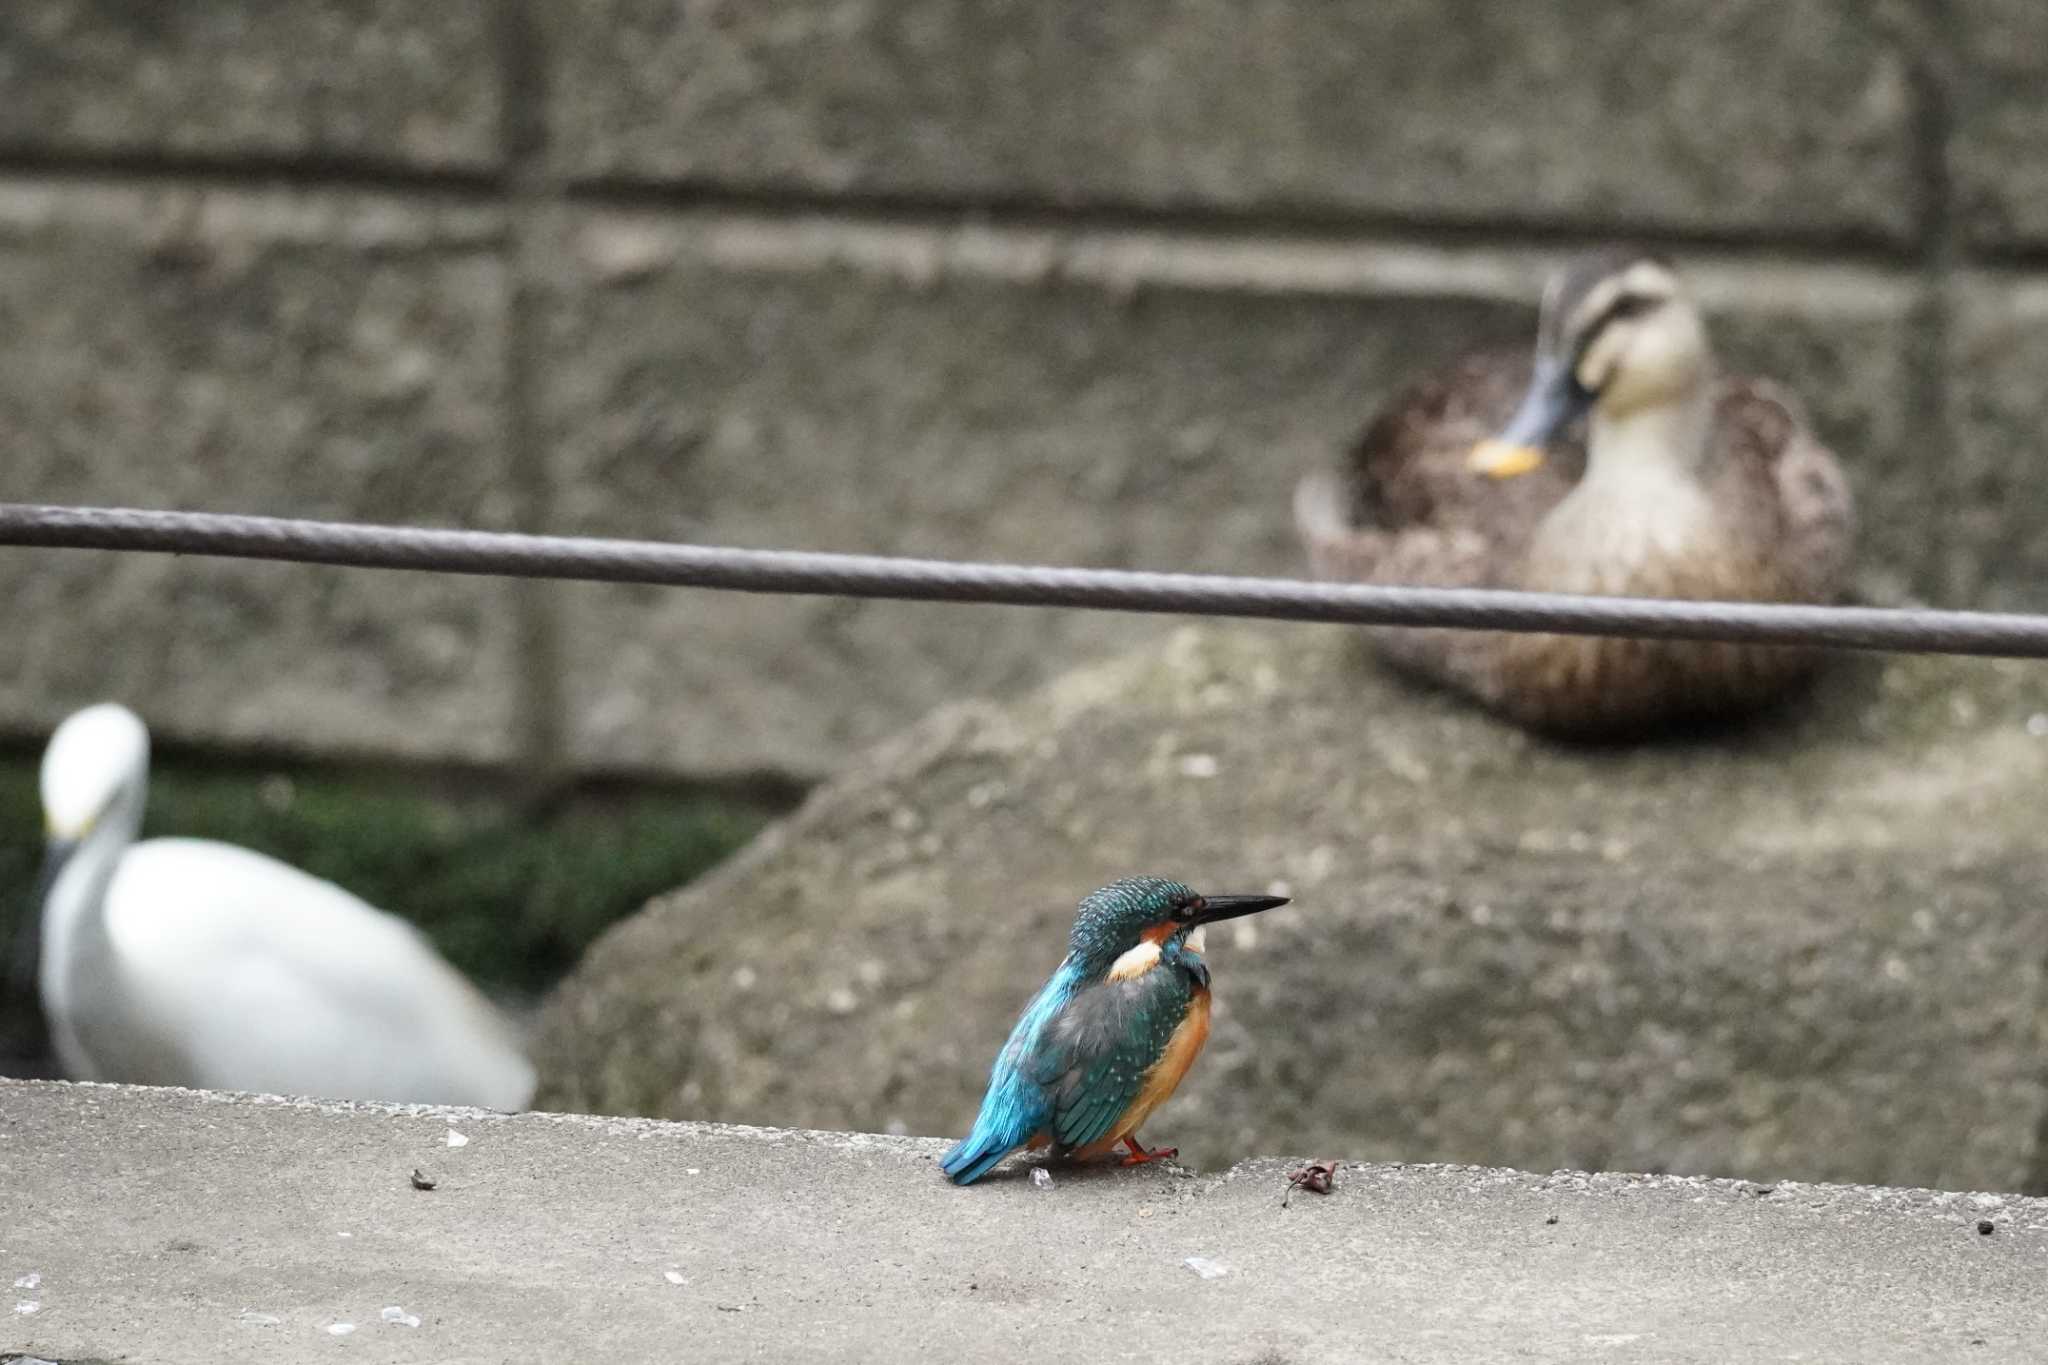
pixel 1120 398
pixel 323 355
pixel 1810 949
pixel 1744 115
pixel 384 82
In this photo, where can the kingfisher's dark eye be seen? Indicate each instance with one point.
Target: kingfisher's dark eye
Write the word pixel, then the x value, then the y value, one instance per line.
pixel 1186 909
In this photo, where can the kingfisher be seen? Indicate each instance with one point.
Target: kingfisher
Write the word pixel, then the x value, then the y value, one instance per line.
pixel 1108 1038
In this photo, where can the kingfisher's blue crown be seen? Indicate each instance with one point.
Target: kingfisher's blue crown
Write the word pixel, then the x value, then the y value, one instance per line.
pixel 1111 919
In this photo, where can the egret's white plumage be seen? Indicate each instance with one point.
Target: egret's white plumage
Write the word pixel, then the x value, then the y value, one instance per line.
pixel 187 962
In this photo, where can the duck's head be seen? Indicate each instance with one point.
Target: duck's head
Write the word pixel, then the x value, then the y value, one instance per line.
pixel 1617 334
pixel 1138 912
pixel 94 772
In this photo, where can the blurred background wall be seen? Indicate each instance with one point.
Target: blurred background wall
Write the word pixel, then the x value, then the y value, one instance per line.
pixel 1043 280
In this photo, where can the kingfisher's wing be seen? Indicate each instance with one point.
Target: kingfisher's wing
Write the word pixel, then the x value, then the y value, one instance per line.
pixel 1016 1108
pixel 1093 1055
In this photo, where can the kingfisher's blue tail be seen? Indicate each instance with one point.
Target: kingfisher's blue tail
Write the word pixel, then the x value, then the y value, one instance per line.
pixel 1011 1113
pixel 1015 1107
pixel 974 1156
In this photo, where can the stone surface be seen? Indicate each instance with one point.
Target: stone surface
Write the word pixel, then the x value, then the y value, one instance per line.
pixel 1811 949
pixel 179 1227
pixel 1136 400
pixel 363 81
pixel 1742 117
pixel 309 355
pixel 1999 92
pixel 1999 538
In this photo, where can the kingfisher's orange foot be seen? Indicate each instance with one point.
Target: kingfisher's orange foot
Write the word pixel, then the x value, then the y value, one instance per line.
pixel 1139 1156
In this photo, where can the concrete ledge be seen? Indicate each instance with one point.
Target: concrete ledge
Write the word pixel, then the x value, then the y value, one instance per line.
pixel 178 1226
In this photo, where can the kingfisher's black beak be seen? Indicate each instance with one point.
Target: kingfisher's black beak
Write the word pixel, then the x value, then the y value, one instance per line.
pixel 1216 908
pixel 1554 400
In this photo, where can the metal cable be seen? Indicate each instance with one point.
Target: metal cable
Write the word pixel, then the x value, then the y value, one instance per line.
pixel 792 571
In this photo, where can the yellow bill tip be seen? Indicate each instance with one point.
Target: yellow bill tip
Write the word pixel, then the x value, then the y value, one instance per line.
pixel 1503 459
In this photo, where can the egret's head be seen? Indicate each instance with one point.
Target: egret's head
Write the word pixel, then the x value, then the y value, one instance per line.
pixel 1617 333
pixel 96 765
pixel 1138 910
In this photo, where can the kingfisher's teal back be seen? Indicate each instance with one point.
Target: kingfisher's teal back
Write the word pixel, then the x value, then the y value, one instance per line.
pixel 1108 1038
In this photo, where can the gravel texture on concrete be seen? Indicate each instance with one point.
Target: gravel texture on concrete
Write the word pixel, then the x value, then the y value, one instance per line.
pixel 172 1226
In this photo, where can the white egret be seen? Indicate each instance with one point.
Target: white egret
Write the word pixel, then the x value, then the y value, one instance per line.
pixel 189 962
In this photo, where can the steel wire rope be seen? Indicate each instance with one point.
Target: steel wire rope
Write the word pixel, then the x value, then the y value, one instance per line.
pixel 1905 630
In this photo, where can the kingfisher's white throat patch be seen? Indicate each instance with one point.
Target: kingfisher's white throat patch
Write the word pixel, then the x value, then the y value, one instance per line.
pixel 1135 962
pixel 1145 956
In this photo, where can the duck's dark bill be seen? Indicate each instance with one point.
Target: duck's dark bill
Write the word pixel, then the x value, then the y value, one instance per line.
pixel 1553 401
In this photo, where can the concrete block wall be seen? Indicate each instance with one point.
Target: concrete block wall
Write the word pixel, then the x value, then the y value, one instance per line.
pixel 1053 282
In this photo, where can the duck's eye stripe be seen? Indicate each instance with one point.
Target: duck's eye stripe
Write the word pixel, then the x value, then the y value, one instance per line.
pixel 1624 306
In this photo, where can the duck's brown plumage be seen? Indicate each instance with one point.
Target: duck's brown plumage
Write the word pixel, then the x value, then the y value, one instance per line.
pixel 1405 509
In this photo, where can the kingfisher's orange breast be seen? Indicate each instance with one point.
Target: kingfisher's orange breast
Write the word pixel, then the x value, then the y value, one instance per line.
pixel 1164 1077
